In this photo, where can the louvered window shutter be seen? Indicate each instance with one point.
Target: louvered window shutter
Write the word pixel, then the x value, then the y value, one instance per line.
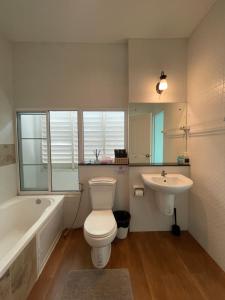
pixel 103 130
pixel 64 137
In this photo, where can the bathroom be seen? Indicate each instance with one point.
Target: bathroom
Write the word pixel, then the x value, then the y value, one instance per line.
pixel 77 81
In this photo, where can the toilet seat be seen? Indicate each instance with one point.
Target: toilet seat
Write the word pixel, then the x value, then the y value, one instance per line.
pixel 100 224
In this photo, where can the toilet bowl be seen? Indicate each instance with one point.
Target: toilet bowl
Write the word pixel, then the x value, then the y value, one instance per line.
pixel 100 226
pixel 99 231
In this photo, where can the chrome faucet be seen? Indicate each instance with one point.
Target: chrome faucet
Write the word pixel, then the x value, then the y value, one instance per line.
pixel 97 153
pixel 163 173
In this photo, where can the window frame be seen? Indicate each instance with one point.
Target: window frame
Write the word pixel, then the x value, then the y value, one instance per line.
pixel 105 110
pixel 80 145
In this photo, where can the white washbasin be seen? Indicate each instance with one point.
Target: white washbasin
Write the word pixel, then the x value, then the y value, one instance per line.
pixel 171 183
pixel 165 188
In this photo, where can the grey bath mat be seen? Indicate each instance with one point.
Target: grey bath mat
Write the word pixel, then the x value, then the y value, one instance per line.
pixel 110 284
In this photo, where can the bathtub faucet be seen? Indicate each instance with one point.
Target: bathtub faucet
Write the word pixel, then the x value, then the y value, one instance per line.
pixel 163 173
pixel 38 201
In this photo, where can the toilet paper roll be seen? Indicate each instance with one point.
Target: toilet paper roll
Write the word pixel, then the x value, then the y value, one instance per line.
pixel 139 193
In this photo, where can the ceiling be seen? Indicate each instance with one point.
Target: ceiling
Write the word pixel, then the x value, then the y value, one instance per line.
pixel 99 20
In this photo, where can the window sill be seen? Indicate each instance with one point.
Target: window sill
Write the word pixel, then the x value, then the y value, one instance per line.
pixel 135 164
pixel 67 194
pixel 100 164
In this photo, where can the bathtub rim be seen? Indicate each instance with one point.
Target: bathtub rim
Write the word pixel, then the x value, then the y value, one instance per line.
pixel 10 257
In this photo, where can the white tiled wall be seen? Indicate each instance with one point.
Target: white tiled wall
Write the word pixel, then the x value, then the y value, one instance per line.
pixel 146 59
pixel 71 75
pixel 8 184
pixel 6 92
pixel 206 100
pixel 7 173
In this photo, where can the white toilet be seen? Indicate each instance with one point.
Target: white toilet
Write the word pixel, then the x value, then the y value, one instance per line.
pixel 100 227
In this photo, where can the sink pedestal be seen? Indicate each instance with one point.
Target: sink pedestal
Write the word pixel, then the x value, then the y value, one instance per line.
pixel 165 203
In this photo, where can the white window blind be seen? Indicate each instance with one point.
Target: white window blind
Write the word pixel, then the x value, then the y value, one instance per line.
pixel 64 137
pixel 103 130
pixel 44 145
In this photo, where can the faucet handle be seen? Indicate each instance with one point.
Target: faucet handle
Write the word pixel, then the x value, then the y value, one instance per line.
pixel 163 173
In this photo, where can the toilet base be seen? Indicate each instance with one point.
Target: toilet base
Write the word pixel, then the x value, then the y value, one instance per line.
pixel 100 256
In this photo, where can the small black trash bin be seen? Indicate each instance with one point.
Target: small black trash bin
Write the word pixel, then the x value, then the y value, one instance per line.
pixel 123 221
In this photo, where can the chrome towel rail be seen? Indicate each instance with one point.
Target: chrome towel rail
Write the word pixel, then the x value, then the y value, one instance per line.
pixel 215 128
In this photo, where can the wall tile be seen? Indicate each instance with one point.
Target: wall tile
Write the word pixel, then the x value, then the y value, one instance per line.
pixel 206 103
pixel 7 154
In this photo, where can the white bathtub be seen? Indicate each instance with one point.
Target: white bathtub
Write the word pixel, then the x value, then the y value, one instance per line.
pixel 23 217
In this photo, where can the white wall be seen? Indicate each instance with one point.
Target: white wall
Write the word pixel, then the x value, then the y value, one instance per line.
pixel 63 76
pixel 51 75
pixel 7 172
pixel 147 58
pixel 70 76
pixel 206 99
pixel 6 103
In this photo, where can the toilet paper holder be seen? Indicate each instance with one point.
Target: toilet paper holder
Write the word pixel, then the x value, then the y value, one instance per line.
pixel 139 190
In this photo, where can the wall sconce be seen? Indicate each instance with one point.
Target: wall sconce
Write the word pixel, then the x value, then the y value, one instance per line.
pixel 162 85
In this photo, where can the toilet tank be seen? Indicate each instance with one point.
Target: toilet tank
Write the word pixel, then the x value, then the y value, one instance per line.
pixel 102 192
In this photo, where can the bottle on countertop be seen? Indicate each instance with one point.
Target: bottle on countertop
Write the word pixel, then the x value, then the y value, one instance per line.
pixel 183 159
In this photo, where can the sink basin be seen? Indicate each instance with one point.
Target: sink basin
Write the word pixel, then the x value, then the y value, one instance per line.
pixel 171 183
pixel 165 188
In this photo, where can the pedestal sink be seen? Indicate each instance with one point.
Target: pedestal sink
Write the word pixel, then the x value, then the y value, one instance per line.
pixel 165 188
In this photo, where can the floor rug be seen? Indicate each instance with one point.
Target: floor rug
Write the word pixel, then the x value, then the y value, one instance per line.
pixel 110 284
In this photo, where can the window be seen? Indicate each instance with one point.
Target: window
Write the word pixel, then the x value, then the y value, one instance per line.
pixel 32 140
pixel 33 143
pixel 103 130
pixel 48 145
pixel 64 150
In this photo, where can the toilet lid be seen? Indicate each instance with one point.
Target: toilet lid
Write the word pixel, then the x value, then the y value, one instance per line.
pixel 102 181
pixel 100 223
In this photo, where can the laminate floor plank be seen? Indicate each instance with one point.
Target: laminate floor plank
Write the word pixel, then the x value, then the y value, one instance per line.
pixel 161 266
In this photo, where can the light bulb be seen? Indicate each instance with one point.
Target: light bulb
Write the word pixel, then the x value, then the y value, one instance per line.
pixel 163 85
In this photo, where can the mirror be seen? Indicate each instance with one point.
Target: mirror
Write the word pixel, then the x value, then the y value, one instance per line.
pixel 155 132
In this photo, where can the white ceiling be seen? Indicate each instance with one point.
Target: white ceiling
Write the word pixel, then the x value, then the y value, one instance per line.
pixel 99 20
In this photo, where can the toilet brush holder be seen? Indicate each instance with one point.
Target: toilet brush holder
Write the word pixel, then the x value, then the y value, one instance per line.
pixel 175 228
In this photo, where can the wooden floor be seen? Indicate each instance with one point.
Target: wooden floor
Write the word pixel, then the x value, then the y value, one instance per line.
pixel 161 267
